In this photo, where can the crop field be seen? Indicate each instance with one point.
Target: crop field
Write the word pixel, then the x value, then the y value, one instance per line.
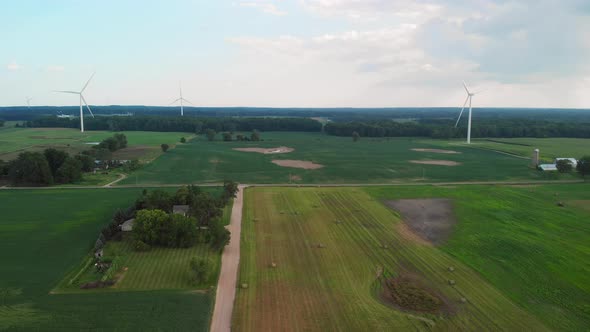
pixel 44 234
pixel 311 259
pixel 522 242
pixel 550 148
pixel 344 161
pixel 142 145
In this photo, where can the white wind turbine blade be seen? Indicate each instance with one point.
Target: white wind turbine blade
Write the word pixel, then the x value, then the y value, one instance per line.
pixel 85 85
pixel 85 103
pixel 462 109
pixel 174 102
pixel 187 101
pixel 466 89
pixel 479 91
pixel 72 92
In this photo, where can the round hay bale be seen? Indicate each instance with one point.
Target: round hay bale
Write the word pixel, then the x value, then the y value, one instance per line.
pixel 451 268
pixel 463 300
pixel 451 282
pixel 321 245
pixel 273 265
pixel 244 286
pixel 560 204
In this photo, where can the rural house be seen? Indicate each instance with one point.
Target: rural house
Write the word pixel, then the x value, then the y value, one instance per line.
pixel 180 209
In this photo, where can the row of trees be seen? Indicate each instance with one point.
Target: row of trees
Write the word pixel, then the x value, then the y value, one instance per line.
pixel 566 166
pixel 229 136
pixel 43 169
pixel 446 128
pixel 196 125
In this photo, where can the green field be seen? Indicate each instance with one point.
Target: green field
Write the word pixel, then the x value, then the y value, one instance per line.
pixel 332 288
pixel 366 161
pixel 44 235
pixel 550 148
pixel 141 145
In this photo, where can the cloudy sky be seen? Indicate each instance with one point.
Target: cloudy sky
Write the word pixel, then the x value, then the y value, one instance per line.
pixel 297 53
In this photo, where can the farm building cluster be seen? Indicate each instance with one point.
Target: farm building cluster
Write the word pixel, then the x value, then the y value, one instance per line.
pixel 550 167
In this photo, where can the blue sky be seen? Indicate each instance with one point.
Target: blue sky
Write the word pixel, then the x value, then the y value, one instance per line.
pixel 297 53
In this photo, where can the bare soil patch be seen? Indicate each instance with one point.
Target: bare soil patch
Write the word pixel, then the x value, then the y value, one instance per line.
pixel 294 177
pixel 297 164
pixel 133 152
pixel 279 150
pixel 431 219
pixel 436 162
pixel 437 151
pixel 408 292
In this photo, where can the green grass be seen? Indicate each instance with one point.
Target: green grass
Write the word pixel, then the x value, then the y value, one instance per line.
pixel 142 145
pixel 44 235
pixel 366 161
pixel 518 239
pixel 550 148
pixel 333 288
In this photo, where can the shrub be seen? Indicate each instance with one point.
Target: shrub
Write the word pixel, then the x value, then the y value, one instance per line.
pixel 182 140
pixel 200 268
pixel 141 246
pixel 164 147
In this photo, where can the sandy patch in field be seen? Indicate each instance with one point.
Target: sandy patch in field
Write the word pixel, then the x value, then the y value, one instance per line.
pixel 279 150
pixel 297 164
pixel 436 162
pixel 430 219
pixel 437 151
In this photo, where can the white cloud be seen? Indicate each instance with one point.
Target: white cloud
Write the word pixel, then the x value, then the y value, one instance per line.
pixel 13 66
pixel 265 6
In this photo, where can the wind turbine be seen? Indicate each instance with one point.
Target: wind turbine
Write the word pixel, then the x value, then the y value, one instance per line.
pixel 468 99
pixel 29 102
pixel 181 99
pixel 81 100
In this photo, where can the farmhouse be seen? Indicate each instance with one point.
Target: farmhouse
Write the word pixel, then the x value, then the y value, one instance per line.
pixel 127 226
pixel 573 161
pixel 180 209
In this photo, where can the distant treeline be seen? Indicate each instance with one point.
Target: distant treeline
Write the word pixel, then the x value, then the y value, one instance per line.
pixel 446 129
pixel 23 113
pixel 182 124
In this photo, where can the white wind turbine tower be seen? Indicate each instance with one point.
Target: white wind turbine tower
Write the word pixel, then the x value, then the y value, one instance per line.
pixel 81 100
pixel 181 99
pixel 469 99
pixel 29 102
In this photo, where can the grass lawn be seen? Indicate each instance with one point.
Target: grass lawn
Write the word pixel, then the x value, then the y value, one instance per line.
pixel 333 286
pixel 366 161
pixel 519 240
pixel 45 234
pixel 142 145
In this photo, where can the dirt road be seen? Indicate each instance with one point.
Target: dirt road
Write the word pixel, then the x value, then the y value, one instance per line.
pixel 230 260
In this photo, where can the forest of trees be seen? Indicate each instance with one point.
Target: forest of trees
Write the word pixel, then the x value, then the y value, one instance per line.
pixel 446 129
pixel 182 124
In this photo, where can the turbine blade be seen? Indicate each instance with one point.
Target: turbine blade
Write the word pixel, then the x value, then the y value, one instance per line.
pixel 479 91
pixel 174 102
pixel 187 101
pixel 72 92
pixel 85 103
pixel 465 86
pixel 85 85
pixel 462 109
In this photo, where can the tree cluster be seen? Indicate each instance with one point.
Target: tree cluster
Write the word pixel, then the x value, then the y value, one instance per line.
pixel 198 125
pixel 158 228
pixel 44 169
pixel 114 143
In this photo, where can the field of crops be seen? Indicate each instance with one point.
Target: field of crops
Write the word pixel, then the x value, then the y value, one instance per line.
pixel 310 259
pixel 44 234
pixel 550 148
pixel 142 145
pixel 522 242
pixel 366 161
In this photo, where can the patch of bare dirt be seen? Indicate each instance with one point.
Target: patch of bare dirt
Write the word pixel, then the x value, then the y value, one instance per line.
pixel 409 293
pixel 297 164
pixel 437 151
pixel 133 152
pixel 430 219
pixel 279 150
pixel 436 162
pixel 294 178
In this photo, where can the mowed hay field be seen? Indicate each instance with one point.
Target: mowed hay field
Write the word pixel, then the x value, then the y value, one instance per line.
pixel 141 145
pixel 369 160
pixel 333 286
pixel 44 234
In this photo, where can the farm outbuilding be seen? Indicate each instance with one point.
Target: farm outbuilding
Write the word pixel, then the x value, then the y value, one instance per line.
pixel 573 161
pixel 127 226
pixel 548 167
pixel 180 209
